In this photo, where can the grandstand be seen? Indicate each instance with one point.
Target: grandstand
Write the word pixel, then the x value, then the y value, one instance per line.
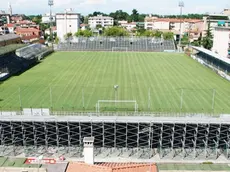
pixel 212 60
pixel 12 63
pixel 9 39
pixel 118 44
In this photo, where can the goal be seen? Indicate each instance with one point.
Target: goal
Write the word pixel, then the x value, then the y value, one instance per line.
pixel 123 49
pixel 115 103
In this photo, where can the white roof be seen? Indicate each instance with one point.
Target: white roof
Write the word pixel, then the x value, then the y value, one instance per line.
pixel 217 56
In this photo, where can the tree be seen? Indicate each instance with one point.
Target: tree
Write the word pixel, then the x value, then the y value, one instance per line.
pixel 56 40
pixel 68 36
pixel 185 40
pixel 84 33
pixel 197 42
pixel 37 19
pixel 86 19
pixel 44 26
pixel 98 26
pixel 158 34
pixel 135 15
pixel 168 35
pixel 95 13
pixel 82 18
pixel 207 41
pixel 119 15
pixel 115 31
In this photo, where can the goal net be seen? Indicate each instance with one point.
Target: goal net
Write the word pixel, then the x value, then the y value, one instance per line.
pixel 123 49
pixel 116 105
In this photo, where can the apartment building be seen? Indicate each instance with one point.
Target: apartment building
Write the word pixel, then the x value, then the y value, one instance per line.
pixel 104 21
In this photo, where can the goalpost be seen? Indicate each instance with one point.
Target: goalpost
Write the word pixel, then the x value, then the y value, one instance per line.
pixel 125 49
pixel 115 102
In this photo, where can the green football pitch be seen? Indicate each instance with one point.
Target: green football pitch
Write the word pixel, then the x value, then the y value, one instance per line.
pixel 159 82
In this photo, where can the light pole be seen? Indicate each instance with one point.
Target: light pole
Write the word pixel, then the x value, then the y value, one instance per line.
pixel 51 3
pixel 115 96
pixel 181 5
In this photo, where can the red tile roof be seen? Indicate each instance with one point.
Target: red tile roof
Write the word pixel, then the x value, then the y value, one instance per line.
pixel 173 20
pixel 111 167
pixel 81 25
pixel 19 29
pixel 176 20
pixel 10 25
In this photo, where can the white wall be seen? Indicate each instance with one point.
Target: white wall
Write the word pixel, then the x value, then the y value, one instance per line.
pixel 221 41
pixel 161 25
pixel 67 23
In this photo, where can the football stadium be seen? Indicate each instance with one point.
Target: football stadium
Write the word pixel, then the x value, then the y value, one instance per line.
pixel 139 98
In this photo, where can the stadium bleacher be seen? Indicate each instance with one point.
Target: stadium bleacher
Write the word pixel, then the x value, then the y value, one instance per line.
pixel 109 43
pixel 15 62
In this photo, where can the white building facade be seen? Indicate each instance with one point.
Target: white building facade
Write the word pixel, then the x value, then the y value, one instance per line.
pixel 129 26
pixel 104 21
pixel 215 20
pixel 221 41
pixel 46 18
pixel 67 23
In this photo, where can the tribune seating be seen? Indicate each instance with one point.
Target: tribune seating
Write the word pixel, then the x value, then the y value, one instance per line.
pixel 12 63
pixel 107 44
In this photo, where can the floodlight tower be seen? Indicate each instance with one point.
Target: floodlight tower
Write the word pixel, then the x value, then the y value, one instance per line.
pixel 116 95
pixel 181 5
pixel 51 3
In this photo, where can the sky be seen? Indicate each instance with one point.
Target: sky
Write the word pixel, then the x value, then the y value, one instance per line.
pixel 143 6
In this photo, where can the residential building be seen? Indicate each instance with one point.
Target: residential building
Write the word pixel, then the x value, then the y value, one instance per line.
pixel 46 18
pixel 15 18
pixel 215 20
pixel 129 26
pixel 11 27
pixel 26 24
pixel 221 41
pixel 68 22
pixel 192 27
pixel 155 23
pixel 226 12
pixel 122 22
pixel 84 26
pixel 54 30
pixel 104 21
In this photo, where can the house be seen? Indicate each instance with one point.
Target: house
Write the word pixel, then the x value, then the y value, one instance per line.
pixel 26 24
pixel 54 30
pixel 129 26
pixel 84 26
pixel 11 27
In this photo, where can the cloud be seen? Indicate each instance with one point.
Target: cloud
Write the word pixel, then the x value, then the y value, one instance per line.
pixel 143 6
pixel 95 2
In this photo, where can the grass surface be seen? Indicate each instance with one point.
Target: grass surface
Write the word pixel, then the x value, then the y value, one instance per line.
pixel 159 82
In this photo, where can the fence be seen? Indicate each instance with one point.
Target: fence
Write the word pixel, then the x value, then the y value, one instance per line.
pixel 117 44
